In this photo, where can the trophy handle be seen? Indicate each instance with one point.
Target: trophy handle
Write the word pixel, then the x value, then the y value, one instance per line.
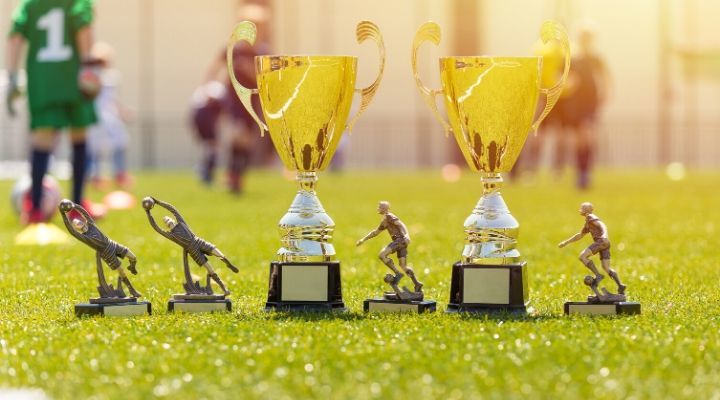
pixel 368 30
pixel 551 30
pixel 246 31
pixel 429 31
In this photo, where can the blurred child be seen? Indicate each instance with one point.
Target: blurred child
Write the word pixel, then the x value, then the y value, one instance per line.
pixel 109 134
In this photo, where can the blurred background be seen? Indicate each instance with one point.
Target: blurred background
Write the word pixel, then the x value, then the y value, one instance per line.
pixel 662 58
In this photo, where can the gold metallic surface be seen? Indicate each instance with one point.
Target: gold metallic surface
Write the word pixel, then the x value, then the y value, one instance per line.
pixel 368 30
pixel 491 103
pixel 244 31
pixel 306 101
pixel 429 31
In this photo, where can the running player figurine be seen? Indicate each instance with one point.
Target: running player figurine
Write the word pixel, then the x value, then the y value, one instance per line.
pixel 400 241
pixel 601 244
pixel 180 233
pixel 79 223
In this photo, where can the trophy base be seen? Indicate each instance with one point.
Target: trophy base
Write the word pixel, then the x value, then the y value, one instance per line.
pixel 305 286
pixel 114 309
pixel 477 288
pixel 394 306
pixel 601 308
pixel 190 305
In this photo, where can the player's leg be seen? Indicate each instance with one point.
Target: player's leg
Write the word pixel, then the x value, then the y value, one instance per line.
pixel 93 144
pixel 209 160
pixel 79 162
pixel 82 115
pixel 42 142
pixel 122 277
pixel 584 153
pixel 214 276
pixel 605 262
pixel 585 259
pixel 402 260
pixel 384 257
pixel 118 142
pixel 239 160
pixel 217 253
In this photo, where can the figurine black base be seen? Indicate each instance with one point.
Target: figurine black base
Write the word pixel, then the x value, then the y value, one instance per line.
pixel 476 288
pixel 305 286
pixel 189 305
pixel 114 309
pixel 392 306
pixel 616 308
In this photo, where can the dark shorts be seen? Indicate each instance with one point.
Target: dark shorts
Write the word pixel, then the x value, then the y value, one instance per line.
pixel 399 246
pixel 113 253
pixel 602 247
pixel 199 257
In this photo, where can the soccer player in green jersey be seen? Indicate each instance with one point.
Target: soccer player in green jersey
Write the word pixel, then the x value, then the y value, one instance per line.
pixel 59 38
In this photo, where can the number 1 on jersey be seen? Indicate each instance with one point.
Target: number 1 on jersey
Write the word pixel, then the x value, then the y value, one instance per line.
pixel 55 50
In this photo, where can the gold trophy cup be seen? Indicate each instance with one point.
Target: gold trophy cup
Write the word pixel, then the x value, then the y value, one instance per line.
pixel 306 101
pixel 491 104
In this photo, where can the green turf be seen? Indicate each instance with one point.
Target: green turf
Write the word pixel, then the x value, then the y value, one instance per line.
pixel 665 247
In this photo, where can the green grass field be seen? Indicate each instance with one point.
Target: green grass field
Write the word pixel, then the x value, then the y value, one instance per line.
pixel 664 236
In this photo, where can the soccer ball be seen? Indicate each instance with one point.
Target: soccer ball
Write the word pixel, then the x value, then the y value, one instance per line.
pixel 20 195
pixel 89 82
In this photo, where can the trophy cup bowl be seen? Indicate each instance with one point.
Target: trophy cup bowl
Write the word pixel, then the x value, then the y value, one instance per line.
pixel 306 104
pixel 491 104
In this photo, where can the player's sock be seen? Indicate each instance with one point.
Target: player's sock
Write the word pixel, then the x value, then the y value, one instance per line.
pixel 39 166
pixel 79 158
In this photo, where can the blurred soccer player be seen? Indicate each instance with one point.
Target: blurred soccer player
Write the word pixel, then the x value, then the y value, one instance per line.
pixel 60 84
pixel 245 129
pixel 588 85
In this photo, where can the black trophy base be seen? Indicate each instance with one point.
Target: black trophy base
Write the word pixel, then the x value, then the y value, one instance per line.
pixel 489 289
pixel 395 306
pixel 114 309
pixel 305 286
pixel 600 308
pixel 194 306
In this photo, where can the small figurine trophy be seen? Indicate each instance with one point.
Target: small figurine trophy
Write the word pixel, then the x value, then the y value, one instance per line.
pixel 112 301
pixel 197 298
pixel 603 302
pixel 397 299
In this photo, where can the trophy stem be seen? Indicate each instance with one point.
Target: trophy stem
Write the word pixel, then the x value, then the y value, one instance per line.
pixel 491 231
pixel 306 229
pixel 492 182
pixel 307 180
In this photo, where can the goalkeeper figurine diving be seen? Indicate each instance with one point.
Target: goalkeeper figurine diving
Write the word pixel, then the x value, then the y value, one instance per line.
pixel 180 233
pixel 81 225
